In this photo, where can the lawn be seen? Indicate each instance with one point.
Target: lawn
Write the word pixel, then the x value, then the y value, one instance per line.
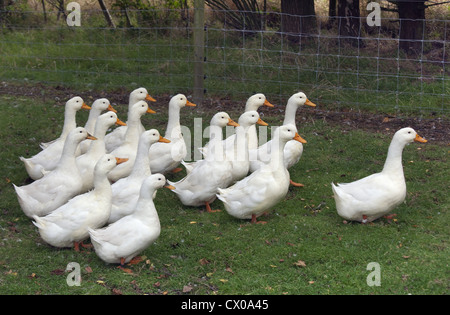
pixel 305 248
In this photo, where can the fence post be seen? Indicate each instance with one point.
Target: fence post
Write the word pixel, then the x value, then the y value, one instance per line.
pixel 199 50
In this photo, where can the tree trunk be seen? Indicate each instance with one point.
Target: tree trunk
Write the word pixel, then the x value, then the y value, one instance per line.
pixel 108 17
pixel 331 13
pixel 412 25
pixel 298 20
pixel 349 21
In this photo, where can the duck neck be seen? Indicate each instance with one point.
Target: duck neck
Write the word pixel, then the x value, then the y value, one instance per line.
pixel 277 154
pixel 99 144
pixel 290 112
pixel 70 121
pixel 102 185
pixel 133 128
pixel 141 165
pixel 68 155
pixel 173 129
pixel 92 119
pixel 241 144
pixel 215 143
pixel 393 164
pixel 145 209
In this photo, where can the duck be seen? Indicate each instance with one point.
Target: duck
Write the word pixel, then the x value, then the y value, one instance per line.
pixel 115 138
pixel 293 150
pixel 254 194
pixel 376 195
pixel 126 238
pixel 86 162
pixel 199 186
pixel 215 130
pixel 128 148
pixel 46 194
pixel 67 226
pixel 164 157
pixel 126 190
pixel 239 153
pixel 253 103
pixel 47 159
pixel 97 108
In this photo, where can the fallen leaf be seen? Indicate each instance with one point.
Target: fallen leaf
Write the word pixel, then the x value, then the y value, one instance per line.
pixel 385 119
pixel 223 280
pixel 310 282
pixel 300 263
pixel 157 284
pixel 116 291
pixel 88 269
pixel 203 261
pixel 406 257
pixel 187 289
pixel 229 270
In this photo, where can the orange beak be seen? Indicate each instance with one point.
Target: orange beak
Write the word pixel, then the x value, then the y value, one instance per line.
pixel 189 103
pixel 91 137
pixel 420 139
pixel 151 111
pixel 120 123
pixel 111 108
pixel 162 139
pixel 169 187
pixel 85 106
pixel 266 103
pixel 149 98
pixel 262 122
pixel 298 138
pixel 120 160
pixel 231 122
pixel 309 103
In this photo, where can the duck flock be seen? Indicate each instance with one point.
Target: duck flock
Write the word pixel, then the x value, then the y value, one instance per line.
pixel 99 182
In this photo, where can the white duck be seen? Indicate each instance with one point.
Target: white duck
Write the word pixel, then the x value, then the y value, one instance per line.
pixel 293 149
pixel 238 155
pixel 68 225
pixel 48 158
pixel 56 187
pixel 97 108
pixel 126 190
pixel 115 138
pixel 166 157
pixel 128 148
pixel 86 162
pixel 253 103
pixel 256 193
pixel 376 195
pixel 199 186
pixel 123 240
pixel 217 123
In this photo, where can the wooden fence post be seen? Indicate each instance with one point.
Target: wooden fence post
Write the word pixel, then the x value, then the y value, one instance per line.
pixel 199 50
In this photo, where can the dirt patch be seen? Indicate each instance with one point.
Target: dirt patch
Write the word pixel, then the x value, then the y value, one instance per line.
pixel 433 129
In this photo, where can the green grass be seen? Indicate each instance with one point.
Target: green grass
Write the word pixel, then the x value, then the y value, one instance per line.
pixel 218 254
pixel 92 57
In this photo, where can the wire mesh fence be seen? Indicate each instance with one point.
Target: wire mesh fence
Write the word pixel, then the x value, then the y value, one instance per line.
pixel 156 49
